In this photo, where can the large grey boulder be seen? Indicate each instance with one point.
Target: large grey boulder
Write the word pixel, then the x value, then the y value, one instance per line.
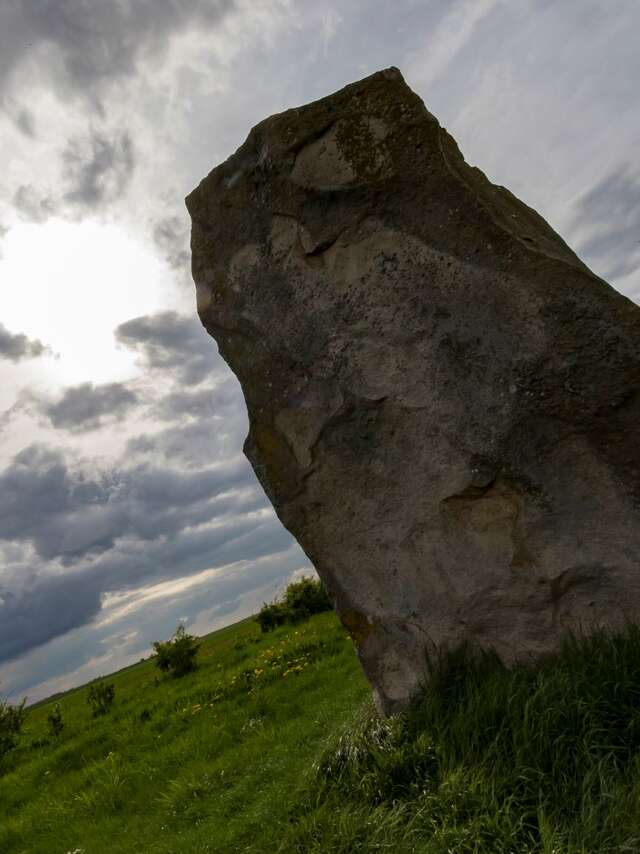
pixel 443 398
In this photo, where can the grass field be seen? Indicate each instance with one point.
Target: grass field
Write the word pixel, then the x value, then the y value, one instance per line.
pixel 272 745
pixel 211 762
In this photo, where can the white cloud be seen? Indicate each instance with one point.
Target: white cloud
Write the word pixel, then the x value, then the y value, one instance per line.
pixel 427 63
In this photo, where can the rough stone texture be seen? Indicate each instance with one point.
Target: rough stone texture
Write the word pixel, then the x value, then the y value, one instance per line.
pixel 443 398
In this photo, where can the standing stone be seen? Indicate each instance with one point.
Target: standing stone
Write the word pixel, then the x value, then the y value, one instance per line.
pixel 443 398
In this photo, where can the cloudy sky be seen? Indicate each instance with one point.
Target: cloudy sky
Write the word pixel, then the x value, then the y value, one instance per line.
pixel 125 502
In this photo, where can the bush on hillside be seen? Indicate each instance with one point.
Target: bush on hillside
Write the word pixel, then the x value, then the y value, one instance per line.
pixel 54 720
pixel 100 697
pixel 300 600
pixel 177 656
pixel 11 720
pixel 271 616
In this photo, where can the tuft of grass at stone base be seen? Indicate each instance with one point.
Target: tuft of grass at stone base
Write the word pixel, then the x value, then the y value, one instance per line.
pixel 534 759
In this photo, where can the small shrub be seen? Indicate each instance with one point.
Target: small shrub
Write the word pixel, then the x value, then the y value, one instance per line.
pixel 177 656
pixel 54 720
pixel 304 598
pixel 11 720
pixel 100 697
pixel 300 601
pixel 271 616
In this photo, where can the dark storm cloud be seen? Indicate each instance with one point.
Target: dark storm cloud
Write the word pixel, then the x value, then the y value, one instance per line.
pixel 16 346
pixel 50 608
pixel 86 407
pixel 68 514
pixel 171 236
pixel 97 169
pixel 155 618
pixel 83 46
pixel 55 604
pixel 114 531
pixel 610 213
pixel 174 343
pixel 239 538
pixel 38 485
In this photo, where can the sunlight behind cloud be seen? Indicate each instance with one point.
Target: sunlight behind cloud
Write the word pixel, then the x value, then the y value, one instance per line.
pixel 70 285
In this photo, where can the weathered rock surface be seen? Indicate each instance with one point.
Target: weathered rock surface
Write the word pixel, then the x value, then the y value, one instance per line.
pixel 444 400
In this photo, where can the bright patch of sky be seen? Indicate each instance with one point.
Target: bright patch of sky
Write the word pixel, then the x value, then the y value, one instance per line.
pixel 70 285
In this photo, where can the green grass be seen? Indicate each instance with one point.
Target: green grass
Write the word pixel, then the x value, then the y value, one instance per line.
pixel 273 745
pixel 216 767
pixel 492 761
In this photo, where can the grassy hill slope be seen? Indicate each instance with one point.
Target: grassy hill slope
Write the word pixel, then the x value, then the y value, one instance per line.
pixel 273 745
pixel 208 763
